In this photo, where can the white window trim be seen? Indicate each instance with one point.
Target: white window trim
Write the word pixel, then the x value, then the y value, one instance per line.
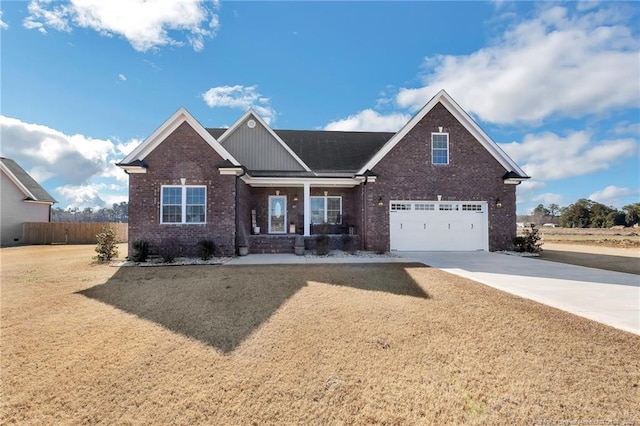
pixel 324 209
pixel 183 204
pixel 432 149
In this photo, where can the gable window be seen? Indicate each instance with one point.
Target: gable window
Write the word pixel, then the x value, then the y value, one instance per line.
pixel 183 204
pixel 326 210
pixel 439 148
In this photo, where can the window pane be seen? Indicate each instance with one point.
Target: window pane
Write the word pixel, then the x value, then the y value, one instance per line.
pixel 317 209
pixel 171 195
pixel 195 214
pixel 439 149
pixel 334 210
pixel 172 214
pixel 195 205
pixel 195 196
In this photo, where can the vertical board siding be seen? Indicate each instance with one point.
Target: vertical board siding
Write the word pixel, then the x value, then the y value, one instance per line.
pixel 69 232
pixel 257 149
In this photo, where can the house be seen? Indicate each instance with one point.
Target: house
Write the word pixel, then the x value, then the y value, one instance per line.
pixel 439 183
pixel 23 200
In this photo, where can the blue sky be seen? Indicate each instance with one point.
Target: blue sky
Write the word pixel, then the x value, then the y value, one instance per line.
pixel 557 85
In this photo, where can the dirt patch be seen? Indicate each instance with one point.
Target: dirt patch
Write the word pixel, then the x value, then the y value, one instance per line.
pixel 307 344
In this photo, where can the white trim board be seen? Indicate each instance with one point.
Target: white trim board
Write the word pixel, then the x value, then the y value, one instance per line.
pixel 443 97
pixel 168 127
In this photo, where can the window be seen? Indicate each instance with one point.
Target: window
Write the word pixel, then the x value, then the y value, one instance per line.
pixel 183 204
pixel 423 206
pixel 400 206
pixel 440 148
pixel 472 207
pixel 448 207
pixel 326 209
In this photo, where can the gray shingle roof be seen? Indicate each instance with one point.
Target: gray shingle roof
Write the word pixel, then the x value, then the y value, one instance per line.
pixel 330 151
pixel 39 193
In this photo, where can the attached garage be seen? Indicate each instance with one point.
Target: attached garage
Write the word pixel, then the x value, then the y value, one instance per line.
pixel 439 225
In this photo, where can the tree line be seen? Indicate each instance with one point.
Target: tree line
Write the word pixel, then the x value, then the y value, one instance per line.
pixel 585 213
pixel 119 212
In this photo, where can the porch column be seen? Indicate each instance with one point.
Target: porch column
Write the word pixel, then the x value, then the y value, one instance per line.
pixel 307 209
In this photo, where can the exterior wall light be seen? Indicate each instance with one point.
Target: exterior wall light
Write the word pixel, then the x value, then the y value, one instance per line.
pixel 498 203
pixel 380 202
pixel 295 197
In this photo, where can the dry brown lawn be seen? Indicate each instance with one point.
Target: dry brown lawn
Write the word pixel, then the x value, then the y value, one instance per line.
pixel 348 344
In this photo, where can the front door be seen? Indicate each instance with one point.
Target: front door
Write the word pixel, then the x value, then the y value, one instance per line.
pixel 277 214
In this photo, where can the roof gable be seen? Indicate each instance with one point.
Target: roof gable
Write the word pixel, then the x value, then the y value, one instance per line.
pixel 258 147
pixel 463 118
pixel 168 127
pixel 31 189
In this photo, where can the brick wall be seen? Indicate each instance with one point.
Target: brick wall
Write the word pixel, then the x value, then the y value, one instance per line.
pixel 183 154
pixel 406 173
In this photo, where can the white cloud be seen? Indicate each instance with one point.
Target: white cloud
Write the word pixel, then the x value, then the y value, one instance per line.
pixel 242 97
pixel 613 195
pixel 51 153
pixel 526 190
pixel 82 196
pixel 558 64
pixel 627 128
pixel 3 25
pixel 549 198
pixel 122 77
pixel 146 24
pixel 370 120
pixel 547 156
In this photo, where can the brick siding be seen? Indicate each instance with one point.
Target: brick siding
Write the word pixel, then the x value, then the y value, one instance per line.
pixel 406 173
pixel 183 154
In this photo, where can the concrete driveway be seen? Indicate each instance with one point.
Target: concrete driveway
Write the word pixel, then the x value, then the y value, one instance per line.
pixel 612 298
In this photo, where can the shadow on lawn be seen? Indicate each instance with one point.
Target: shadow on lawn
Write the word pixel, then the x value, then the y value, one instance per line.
pixel 223 305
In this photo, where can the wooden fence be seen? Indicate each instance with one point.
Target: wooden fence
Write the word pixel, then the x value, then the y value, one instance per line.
pixel 69 232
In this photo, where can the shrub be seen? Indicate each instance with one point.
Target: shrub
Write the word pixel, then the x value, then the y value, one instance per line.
pixel 206 249
pixel 348 243
pixel 140 250
pixel 322 245
pixel 106 247
pixel 168 250
pixel 529 242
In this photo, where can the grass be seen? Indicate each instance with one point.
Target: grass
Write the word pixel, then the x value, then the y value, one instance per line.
pixel 365 344
pixel 623 238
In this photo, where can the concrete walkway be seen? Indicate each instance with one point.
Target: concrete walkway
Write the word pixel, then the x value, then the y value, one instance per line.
pixel 612 298
pixel 292 259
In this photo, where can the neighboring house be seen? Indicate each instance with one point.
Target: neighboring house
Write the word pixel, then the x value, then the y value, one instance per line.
pixel 23 200
pixel 439 183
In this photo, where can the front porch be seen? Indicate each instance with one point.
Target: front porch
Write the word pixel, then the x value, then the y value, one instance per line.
pixel 270 216
pixel 269 244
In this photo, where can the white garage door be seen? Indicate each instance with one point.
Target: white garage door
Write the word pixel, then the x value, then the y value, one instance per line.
pixel 438 226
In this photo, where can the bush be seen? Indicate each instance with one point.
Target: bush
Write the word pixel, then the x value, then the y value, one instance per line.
pixel 106 247
pixel 169 250
pixel 348 243
pixel 206 249
pixel 530 242
pixel 140 250
pixel 322 245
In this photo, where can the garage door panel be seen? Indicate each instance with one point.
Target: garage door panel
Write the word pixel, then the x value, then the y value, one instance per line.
pixel 438 226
